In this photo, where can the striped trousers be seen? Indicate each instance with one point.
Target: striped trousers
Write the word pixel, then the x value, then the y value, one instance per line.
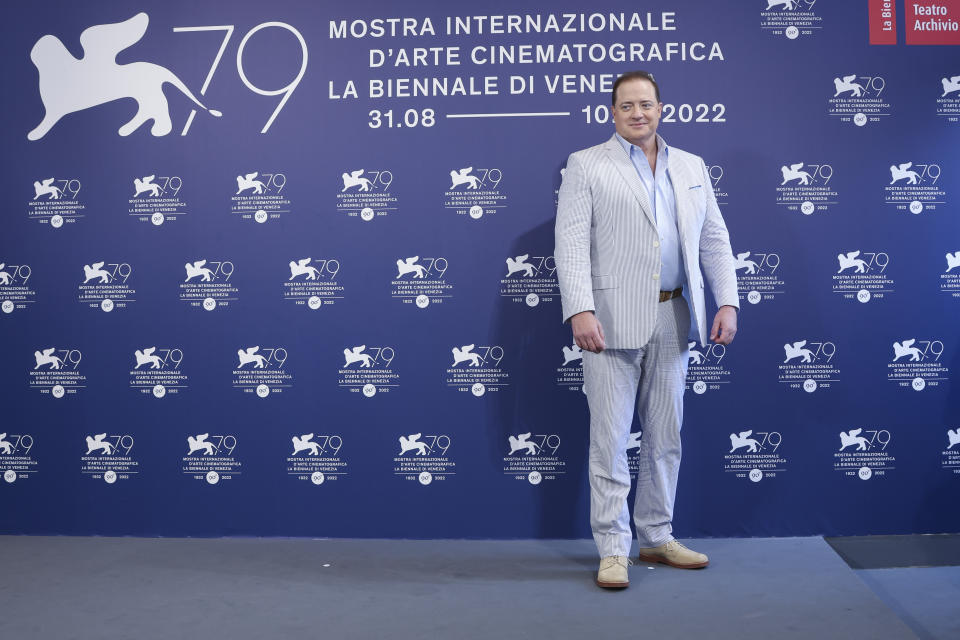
pixel 651 378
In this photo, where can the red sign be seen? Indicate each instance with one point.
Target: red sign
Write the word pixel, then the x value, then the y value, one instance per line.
pixel 883 22
pixel 932 21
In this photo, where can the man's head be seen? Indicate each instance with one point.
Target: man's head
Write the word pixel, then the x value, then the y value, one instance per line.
pixel 636 107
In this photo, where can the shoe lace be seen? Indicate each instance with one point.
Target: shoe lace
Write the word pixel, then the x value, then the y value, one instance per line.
pixel 673 545
pixel 611 560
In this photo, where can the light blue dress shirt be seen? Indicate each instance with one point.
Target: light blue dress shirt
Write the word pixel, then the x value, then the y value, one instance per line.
pixel 659 190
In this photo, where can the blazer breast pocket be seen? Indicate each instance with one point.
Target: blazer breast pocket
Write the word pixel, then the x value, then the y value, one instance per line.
pixel 604 282
pixel 698 201
pixel 697 194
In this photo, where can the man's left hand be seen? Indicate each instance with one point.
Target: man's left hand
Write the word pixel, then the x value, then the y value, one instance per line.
pixel 724 325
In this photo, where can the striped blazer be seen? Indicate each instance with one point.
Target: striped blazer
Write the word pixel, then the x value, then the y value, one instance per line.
pixel 607 246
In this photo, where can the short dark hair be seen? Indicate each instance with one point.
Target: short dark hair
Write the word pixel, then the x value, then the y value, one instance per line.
pixel 634 75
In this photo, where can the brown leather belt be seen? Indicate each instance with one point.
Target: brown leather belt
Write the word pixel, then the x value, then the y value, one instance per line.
pixel 670 295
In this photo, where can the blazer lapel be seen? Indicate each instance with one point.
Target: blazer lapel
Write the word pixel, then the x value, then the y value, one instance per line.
pixel 628 172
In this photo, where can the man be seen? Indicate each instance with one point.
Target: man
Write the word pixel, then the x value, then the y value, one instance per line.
pixel 637 229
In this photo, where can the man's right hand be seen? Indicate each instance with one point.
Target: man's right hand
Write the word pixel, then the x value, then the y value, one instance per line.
pixel 587 332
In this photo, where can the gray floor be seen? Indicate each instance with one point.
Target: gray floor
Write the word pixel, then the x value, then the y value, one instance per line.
pixel 105 588
pixel 927 599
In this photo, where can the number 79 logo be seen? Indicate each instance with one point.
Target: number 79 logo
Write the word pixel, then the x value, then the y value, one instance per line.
pixel 285 91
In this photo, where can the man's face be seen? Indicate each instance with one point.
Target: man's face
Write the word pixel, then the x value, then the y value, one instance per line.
pixel 636 113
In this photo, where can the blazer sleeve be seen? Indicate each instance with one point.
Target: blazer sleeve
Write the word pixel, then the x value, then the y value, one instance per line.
pixel 716 255
pixel 572 239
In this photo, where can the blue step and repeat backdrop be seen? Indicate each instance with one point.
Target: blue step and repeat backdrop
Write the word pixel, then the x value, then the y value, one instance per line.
pixel 286 268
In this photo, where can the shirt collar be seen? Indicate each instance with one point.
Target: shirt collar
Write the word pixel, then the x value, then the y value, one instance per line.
pixel 662 149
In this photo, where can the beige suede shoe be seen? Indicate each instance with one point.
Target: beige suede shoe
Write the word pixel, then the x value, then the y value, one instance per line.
pixel 674 554
pixel 613 572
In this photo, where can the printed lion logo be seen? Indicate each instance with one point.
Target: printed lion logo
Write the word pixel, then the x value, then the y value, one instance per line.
pixel 522 443
pixel 412 442
pixel 953 436
pixel 68 85
pixel 853 437
pixel 950 85
pixel 847 83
